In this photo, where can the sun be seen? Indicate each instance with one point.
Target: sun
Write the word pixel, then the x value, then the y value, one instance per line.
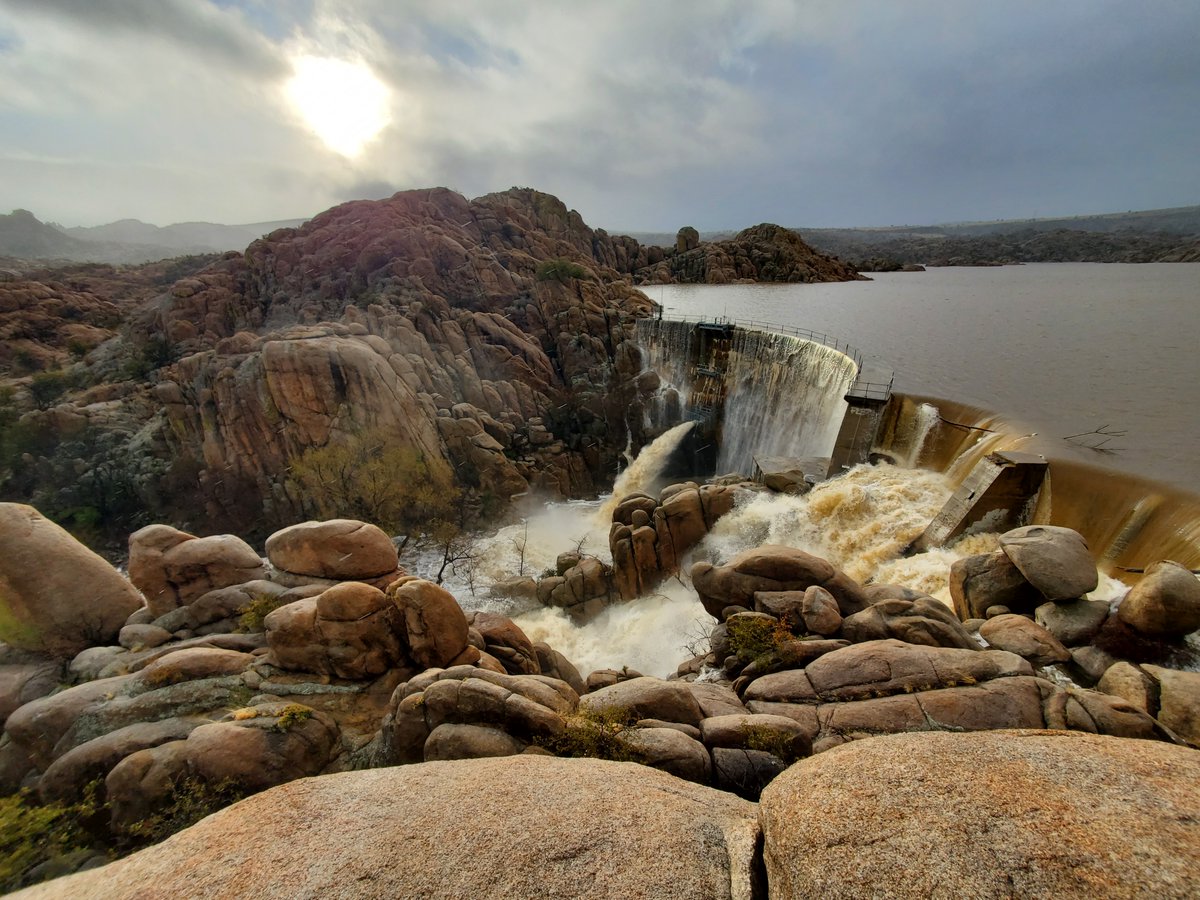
pixel 344 103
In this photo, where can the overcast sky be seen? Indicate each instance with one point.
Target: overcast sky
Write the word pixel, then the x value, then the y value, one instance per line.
pixel 641 114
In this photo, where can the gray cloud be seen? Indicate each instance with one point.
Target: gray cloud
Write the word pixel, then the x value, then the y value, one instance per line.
pixel 201 27
pixel 642 116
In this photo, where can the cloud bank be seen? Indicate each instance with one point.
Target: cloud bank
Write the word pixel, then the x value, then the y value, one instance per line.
pixel 642 116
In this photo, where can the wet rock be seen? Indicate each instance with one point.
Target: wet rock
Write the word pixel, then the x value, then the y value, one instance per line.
pixel 280 743
pixel 507 642
pixel 744 772
pixel 1124 809
pixel 1072 623
pixel 1164 604
pixel 1091 662
pixel 772 569
pixel 336 548
pixel 25 676
pixel 435 627
pixel 450 741
pixel 1026 638
pixel 1132 685
pixel 921 621
pixel 1054 560
pixel 1178 701
pixel 990 579
pixel 56 596
pixel 65 779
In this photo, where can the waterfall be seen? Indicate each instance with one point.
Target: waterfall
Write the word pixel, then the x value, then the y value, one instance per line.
pixel 785 398
pixel 667 349
pixel 644 471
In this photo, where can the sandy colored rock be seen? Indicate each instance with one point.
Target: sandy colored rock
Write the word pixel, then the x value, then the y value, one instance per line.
pixel 336 548
pixel 1053 559
pixel 56 596
pixel 1001 814
pixel 1131 684
pixel 572 828
pixel 990 579
pixel 1165 603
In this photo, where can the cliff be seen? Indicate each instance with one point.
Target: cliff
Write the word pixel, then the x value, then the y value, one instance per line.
pixel 493 336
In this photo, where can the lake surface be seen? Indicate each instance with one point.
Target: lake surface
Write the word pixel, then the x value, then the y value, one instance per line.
pixel 1058 348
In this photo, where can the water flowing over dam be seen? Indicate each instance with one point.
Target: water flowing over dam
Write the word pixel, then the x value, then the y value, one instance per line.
pixel 755 393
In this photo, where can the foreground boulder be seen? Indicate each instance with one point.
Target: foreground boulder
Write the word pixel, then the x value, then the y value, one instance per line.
pixel 512 827
pixel 1002 814
pixel 56 596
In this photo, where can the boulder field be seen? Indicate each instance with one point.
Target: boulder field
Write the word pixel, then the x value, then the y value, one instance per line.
pixel 235 674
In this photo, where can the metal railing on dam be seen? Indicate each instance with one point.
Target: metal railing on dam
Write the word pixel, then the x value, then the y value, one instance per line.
pixel 870 383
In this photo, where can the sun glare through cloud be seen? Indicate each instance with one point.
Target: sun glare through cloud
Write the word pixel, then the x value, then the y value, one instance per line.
pixel 342 102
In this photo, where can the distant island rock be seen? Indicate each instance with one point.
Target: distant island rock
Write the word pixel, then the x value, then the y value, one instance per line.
pixel 763 253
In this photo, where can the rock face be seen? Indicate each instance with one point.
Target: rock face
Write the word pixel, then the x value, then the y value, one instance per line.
pixel 762 253
pixel 650 536
pixel 339 548
pixel 537 827
pixel 1027 814
pixel 56 596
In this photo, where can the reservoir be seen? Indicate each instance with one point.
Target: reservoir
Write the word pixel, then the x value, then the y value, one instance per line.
pixel 1066 350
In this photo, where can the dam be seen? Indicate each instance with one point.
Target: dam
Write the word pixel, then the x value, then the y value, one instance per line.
pixel 798 406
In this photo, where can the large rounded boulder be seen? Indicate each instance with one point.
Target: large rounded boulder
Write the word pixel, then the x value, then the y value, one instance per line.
pixel 56 595
pixel 519 826
pixel 1165 603
pixel 993 814
pixel 337 548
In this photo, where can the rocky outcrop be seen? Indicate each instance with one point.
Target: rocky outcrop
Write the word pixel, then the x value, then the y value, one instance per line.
pixel 650 536
pixel 1029 814
pixel 537 827
pixel 56 596
pixel 762 253
pixel 1034 564
pixel 772 569
pixel 172 568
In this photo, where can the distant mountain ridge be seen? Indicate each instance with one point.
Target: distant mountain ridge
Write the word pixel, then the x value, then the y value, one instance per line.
pixel 128 241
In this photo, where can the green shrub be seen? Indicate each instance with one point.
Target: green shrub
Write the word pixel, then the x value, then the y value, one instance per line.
pixel 46 387
pixel 560 270
pixel 257 610
pixel 33 835
pixel 751 637
pixel 778 743
pixel 192 798
pixel 594 734
pixel 292 715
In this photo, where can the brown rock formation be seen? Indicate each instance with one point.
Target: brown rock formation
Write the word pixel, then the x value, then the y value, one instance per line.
pixel 763 253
